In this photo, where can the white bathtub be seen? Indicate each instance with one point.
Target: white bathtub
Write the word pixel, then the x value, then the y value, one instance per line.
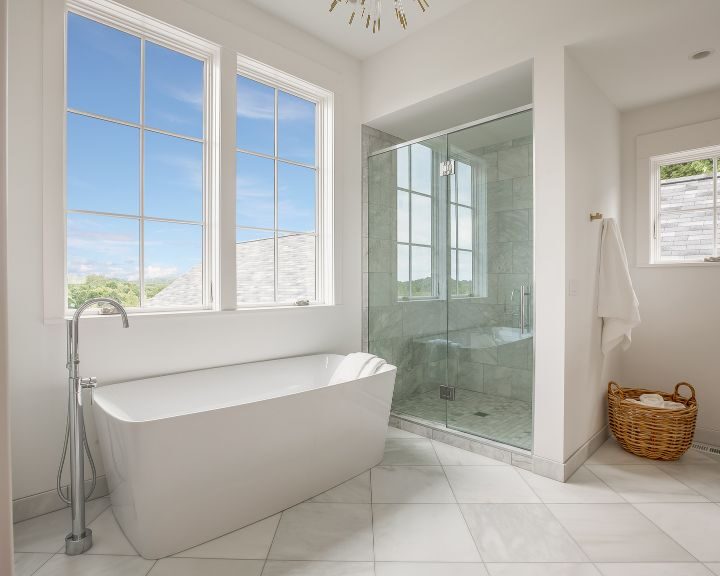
pixel 192 456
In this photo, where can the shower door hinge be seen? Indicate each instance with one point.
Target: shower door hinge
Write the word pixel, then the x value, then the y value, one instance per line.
pixel 447 393
pixel 447 168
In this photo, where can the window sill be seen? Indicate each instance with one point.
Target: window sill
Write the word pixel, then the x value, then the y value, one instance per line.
pixel 199 313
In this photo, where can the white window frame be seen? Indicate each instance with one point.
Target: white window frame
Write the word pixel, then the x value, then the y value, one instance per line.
pixel 663 145
pixel 656 163
pixel 324 157
pixel 55 116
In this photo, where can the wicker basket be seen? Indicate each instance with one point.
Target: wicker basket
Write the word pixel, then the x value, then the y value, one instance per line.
pixel 656 433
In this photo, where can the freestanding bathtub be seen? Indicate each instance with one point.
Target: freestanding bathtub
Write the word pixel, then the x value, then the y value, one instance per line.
pixel 192 456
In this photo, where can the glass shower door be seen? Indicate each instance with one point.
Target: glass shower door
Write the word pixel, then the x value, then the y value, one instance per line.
pixel 490 252
pixel 407 303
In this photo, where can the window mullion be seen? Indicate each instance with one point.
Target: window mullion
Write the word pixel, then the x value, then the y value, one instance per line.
pixel 276 225
pixel 715 208
pixel 141 247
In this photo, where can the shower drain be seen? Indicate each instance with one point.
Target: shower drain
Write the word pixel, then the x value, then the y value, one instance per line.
pixel 481 414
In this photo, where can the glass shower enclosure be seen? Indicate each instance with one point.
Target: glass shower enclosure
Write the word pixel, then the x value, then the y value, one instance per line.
pixel 450 271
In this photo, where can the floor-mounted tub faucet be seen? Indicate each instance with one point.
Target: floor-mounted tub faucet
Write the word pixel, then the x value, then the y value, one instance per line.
pixel 80 539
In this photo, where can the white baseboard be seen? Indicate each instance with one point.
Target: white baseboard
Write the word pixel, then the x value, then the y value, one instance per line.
pixel 708 436
pixel 46 502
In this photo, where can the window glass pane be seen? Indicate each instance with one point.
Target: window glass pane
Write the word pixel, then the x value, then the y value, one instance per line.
pixel 296 198
pixel 255 265
pixel 296 267
pixel 103 70
pixel 465 232
pixel 173 177
pixel 174 91
pixel 403 216
pixel 103 166
pixel 686 186
pixel 453 225
pixel 421 168
pixel 465 271
pixel 686 235
pixel 296 129
pixel 403 271
pixel 255 189
pixel 102 259
pixel 255 116
pixel 421 271
pixel 421 211
pixel 403 167
pixel 453 272
pixel 173 264
pixel 464 180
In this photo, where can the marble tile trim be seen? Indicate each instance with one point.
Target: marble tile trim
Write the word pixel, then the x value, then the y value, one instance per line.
pixel 46 502
pixel 501 452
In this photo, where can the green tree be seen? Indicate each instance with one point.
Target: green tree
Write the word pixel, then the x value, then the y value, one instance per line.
pixel 694 168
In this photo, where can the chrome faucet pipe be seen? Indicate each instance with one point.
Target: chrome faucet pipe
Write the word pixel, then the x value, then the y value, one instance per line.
pixel 80 539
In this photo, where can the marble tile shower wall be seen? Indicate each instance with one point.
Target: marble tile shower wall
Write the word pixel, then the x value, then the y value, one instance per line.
pixel 505 369
pixel 400 331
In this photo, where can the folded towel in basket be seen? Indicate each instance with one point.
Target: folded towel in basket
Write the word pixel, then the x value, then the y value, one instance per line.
pixel 656 401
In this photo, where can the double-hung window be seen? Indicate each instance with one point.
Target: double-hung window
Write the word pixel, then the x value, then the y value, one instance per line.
pixel 137 171
pixel 686 206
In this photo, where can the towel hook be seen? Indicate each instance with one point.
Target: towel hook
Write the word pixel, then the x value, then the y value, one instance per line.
pixel 595 216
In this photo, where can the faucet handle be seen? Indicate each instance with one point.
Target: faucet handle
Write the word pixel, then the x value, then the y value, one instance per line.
pixel 90 382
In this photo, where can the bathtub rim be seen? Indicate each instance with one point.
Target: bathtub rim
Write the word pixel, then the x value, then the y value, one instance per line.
pixel 99 401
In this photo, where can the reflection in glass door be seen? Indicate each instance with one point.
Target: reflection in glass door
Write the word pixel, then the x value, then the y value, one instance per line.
pixel 450 276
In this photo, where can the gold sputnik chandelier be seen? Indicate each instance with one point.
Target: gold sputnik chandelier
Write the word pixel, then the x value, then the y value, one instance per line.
pixel 371 11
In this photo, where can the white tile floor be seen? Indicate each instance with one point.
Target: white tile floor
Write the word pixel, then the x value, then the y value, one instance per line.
pixel 435 510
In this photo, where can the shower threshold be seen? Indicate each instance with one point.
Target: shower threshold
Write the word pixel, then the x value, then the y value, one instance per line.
pixel 505 453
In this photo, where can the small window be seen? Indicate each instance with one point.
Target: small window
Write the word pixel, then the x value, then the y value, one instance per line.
pixel 685 199
pixel 136 169
pixel 283 193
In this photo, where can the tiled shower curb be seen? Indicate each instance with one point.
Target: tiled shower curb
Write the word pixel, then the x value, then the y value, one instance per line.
pixel 508 454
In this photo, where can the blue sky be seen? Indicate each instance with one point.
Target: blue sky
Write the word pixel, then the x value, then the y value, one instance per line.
pixel 103 157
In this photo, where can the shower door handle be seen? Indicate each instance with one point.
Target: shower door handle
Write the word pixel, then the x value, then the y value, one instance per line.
pixel 524 293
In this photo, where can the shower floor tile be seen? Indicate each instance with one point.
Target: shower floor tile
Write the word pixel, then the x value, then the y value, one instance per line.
pixel 507 420
pixel 437 510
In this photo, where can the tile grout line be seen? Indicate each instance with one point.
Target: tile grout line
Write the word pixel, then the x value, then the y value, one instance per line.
pixel 589 469
pixel 660 528
pixel 564 529
pixel 467 526
pixel 267 556
pixel 663 473
pixel 50 557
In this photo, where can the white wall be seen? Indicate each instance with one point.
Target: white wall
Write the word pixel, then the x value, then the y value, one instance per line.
pixel 161 344
pixel 6 547
pixel 592 184
pixel 678 338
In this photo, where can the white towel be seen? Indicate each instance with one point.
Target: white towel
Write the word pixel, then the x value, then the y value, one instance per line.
pixel 617 303
pixel 356 365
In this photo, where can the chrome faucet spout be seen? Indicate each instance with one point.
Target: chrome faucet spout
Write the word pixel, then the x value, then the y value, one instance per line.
pixel 74 323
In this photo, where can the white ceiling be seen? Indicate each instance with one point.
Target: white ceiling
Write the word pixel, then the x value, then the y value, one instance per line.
pixel 314 17
pixel 645 60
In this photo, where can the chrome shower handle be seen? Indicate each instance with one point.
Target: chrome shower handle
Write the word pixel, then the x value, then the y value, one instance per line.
pixel 524 293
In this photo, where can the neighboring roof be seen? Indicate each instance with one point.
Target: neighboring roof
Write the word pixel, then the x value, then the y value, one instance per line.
pixel 255 274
